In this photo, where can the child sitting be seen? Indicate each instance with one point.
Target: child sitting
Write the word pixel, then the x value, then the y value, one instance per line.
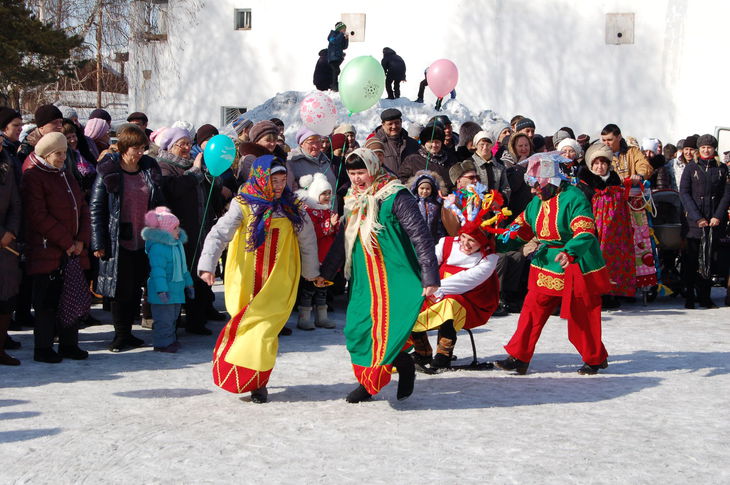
pixel 316 194
pixel 169 279
pixel 428 186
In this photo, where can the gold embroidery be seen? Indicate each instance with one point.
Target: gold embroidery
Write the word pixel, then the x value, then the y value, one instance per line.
pixel 584 224
pixel 547 281
pixel 545 221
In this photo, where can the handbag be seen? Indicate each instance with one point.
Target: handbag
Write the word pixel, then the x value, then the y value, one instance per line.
pixel 75 301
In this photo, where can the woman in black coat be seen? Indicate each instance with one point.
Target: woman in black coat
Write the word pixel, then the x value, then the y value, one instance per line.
pixel 127 186
pixel 705 193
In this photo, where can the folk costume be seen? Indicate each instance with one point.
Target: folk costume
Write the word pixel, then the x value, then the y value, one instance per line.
pixel 562 222
pixel 389 256
pixel 267 236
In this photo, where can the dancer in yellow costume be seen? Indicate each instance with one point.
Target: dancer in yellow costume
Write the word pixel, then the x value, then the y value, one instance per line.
pixel 267 231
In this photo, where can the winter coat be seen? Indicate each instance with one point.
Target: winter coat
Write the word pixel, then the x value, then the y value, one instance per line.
pixel 705 193
pixel 250 151
pixel 588 182
pixel 439 163
pixel 396 148
pixel 10 216
pixel 10 149
pixel 499 171
pixel 393 65
pixel 160 247
pixel 300 165
pixel 27 146
pixel 186 192
pixel 661 179
pixel 520 193
pixel 321 216
pixel 106 208
pixel 322 78
pixel 56 215
pixel 676 166
pixel 631 161
pixel 431 207
pixel 337 45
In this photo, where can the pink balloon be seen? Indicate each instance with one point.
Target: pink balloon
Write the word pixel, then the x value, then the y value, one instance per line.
pixel 442 77
pixel 319 113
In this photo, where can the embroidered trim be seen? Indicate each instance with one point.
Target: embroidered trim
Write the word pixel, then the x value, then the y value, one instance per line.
pixel 547 281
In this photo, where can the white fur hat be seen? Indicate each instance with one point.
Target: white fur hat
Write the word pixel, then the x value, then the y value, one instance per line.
pixel 569 142
pixel 650 144
pixel 314 185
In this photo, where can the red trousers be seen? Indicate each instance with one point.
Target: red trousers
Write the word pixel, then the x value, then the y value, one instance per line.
pixel 584 326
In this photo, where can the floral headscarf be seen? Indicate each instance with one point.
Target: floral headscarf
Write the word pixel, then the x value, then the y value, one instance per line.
pixel 361 207
pixel 258 193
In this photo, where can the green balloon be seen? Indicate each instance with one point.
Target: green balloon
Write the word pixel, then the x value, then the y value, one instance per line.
pixel 361 83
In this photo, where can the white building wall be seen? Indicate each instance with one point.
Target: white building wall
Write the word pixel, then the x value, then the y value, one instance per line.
pixel 544 59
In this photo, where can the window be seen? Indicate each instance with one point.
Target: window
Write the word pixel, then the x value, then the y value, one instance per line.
pixel 155 20
pixel 242 19
pixel 230 114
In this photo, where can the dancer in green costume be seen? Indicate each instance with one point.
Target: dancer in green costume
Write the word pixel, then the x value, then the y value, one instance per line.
pixel 389 259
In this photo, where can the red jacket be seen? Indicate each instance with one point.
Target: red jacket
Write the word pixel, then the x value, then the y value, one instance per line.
pixel 324 229
pixel 56 215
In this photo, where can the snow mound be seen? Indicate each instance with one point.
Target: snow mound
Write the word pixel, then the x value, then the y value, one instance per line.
pixel 285 106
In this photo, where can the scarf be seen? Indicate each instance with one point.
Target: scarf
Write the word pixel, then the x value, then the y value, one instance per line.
pixel 179 265
pixel 258 193
pixel 172 159
pixel 361 207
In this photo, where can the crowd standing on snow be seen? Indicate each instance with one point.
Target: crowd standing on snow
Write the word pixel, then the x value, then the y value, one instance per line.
pixel 430 228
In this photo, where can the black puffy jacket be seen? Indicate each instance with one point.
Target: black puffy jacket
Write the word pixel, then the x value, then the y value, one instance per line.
pixel 393 65
pixel 705 193
pixel 106 208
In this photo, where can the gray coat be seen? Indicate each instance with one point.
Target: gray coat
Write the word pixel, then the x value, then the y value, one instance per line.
pixel 501 184
pixel 10 216
pixel 224 230
pixel 299 165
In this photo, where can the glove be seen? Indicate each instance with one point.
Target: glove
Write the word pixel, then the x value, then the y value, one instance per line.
pixel 164 297
pixel 190 292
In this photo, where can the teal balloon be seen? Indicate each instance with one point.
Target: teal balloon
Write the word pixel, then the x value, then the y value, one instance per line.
pixel 361 83
pixel 219 154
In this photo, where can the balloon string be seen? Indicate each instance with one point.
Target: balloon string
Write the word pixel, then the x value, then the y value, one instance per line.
pixel 202 224
pixel 339 172
pixel 428 158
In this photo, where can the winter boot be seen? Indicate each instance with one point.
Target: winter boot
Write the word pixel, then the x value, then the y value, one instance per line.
pixel 260 395
pixel 510 363
pixel 406 375
pixel 359 394
pixel 304 321
pixel 444 351
pixel 123 338
pixel 5 359
pixel 590 370
pixel 72 352
pixel 422 349
pixel 321 319
pixel 49 356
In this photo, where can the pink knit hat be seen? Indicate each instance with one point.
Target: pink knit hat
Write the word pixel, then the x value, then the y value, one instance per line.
pixel 96 128
pixel 162 218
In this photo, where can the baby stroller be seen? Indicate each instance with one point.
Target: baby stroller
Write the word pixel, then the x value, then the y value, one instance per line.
pixel 667 224
pixel 640 208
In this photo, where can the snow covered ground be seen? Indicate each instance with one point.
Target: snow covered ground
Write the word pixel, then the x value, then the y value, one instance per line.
pixel 658 414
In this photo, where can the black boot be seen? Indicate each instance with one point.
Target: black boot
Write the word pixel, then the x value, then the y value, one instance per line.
pixel 445 348
pixel 49 356
pixel 406 375
pixel 359 394
pixel 588 369
pixel 260 395
pixel 609 302
pixel 510 363
pixel 123 338
pixel 422 351
pixel 72 352
pixel 5 359
pixel 11 344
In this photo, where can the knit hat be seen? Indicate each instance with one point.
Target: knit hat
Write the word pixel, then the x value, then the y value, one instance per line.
pixel 459 169
pixel 431 132
pixel 414 130
pixel 496 129
pixel 302 134
pixel 680 144
pixel 96 128
pixel 51 143
pixel 314 185
pixel 138 116
pixel 205 133
pixel 481 135
pixel 525 123
pixel 101 113
pixel 650 144
pixel 346 128
pixel 569 142
pixel 538 142
pixel 467 130
pixel 391 114
pixel 340 25
pixel 261 129
pixel 170 136
pixel 583 140
pixel 598 150
pixel 6 116
pixel 338 141
pixel 375 145
pixel 46 114
pixel 68 112
pixel 690 142
pixel 707 140
pixel 559 136
pixel 162 218
pixel 241 123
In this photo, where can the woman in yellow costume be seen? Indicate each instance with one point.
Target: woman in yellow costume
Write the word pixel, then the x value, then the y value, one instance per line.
pixel 267 231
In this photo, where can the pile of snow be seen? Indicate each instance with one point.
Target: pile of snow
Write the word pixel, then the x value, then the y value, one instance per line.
pixel 285 106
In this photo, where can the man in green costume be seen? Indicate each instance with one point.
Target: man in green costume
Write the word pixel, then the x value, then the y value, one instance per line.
pixel 389 258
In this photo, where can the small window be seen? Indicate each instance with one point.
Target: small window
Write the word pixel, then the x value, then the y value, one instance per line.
pixel 229 114
pixel 242 19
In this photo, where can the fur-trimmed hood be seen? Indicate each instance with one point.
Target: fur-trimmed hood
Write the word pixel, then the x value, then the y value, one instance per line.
pixel 153 234
pixel 437 182
pixel 111 171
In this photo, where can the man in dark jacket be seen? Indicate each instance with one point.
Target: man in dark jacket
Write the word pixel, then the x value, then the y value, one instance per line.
pixel 338 40
pixel 322 78
pixel 398 145
pixel 395 72
pixel 48 118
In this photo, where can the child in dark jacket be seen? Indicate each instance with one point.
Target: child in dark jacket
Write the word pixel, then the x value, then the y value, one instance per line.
pixel 428 186
pixel 169 281
pixel 316 194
